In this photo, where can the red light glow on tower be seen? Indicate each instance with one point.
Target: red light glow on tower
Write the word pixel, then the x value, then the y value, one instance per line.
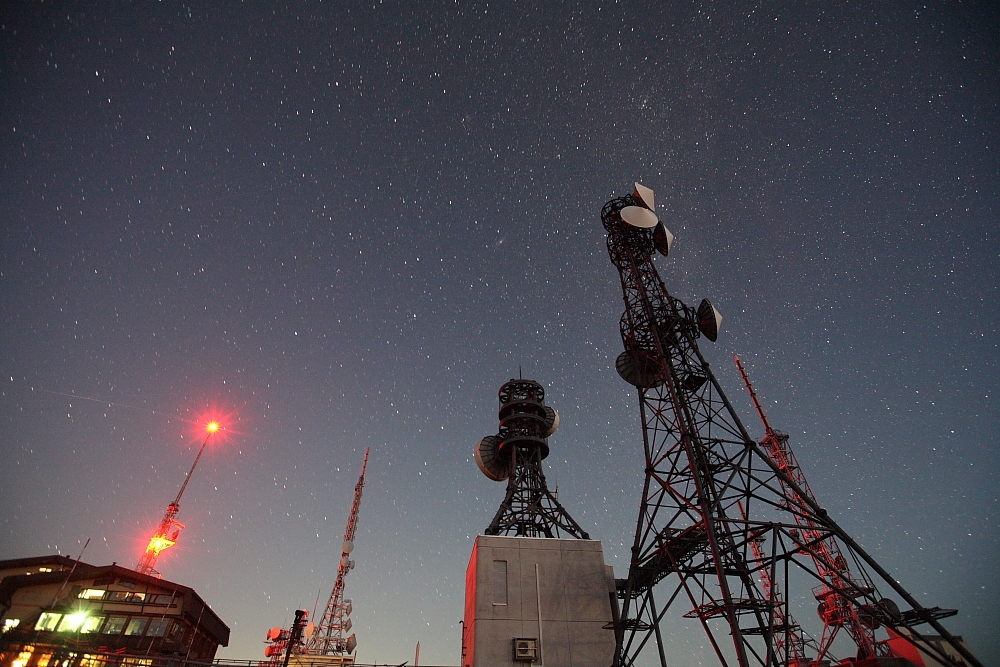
pixel 169 529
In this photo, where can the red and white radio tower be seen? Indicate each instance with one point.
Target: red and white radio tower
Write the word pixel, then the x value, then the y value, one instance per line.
pixel 169 528
pixel 328 637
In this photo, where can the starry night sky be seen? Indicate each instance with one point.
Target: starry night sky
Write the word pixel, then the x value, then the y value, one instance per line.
pixel 344 225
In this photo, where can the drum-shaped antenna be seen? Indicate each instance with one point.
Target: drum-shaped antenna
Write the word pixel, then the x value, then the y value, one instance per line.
pixel 662 239
pixel 273 634
pixel 638 216
pixel 644 195
pixel 639 371
pixel 489 461
pixel 552 418
pixel 709 320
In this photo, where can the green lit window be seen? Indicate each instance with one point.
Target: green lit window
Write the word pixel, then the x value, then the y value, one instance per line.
pixel 114 625
pixel 72 622
pixel 92 594
pixel 135 627
pixel 92 624
pixel 48 621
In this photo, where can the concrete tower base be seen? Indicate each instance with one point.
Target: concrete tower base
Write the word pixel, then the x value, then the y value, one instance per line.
pixel 537 601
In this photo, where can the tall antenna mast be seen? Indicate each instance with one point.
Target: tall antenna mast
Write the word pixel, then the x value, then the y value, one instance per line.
pixel 835 611
pixel 328 637
pixel 169 529
pixel 722 520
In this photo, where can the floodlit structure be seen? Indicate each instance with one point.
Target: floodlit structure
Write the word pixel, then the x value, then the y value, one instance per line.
pixel 537 589
pixel 170 528
pixel 58 612
pixel 723 519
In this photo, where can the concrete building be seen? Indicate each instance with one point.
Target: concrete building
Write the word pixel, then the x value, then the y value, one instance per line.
pixel 538 600
pixel 57 612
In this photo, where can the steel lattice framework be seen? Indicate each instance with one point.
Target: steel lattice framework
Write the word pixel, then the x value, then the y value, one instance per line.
pixel 721 522
pixel 329 636
pixel 529 509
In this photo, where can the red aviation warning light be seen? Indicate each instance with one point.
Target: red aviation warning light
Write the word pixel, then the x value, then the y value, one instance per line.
pixel 169 528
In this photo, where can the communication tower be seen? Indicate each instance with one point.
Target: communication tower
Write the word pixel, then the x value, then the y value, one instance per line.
pixel 328 642
pixel 515 454
pixel 721 519
pixel 170 528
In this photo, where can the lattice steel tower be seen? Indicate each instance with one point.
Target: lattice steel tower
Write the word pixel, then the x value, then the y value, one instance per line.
pixel 515 454
pixel 329 637
pixel 722 520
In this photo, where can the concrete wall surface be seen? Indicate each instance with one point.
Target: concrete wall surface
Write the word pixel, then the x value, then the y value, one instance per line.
pixel 510 578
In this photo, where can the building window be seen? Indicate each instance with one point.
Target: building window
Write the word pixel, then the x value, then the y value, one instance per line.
pixel 91 660
pixel 43 660
pixel 92 594
pixel 136 626
pixel 164 599
pixel 499 582
pixel 158 627
pixel 114 625
pixel 91 625
pixel 125 596
pixel 48 621
pixel 10 623
pixel 72 622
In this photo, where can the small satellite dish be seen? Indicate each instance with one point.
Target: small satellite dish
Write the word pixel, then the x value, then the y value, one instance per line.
pixel 348 547
pixel 645 195
pixel 310 629
pixel 709 320
pixel 552 419
pixel 489 461
pixel 273 634
pixel 662 239
pixel 639 217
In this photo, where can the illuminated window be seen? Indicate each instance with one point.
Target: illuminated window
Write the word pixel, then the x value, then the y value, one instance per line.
pixel 72 622
pixel 158 627
pixel 10 623
pixel 137 662
pixel 91 660
pixel 114 625
pixel 48 621
pixel 45 569
pixel 136 627
pixel 65 662
pixel 92 624
pixel 43 660
pixel 92 594
pixel 23 657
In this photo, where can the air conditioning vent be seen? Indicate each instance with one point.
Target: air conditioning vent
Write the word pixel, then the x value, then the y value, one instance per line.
pixel 525 650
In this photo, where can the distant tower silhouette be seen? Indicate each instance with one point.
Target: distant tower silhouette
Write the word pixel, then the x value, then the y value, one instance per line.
pixel 723 519
pixel 515 454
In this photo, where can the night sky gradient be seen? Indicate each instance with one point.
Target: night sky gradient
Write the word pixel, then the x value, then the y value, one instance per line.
pixel 345 225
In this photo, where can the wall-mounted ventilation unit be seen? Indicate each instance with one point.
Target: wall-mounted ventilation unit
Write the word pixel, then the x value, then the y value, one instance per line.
pixel 525 650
